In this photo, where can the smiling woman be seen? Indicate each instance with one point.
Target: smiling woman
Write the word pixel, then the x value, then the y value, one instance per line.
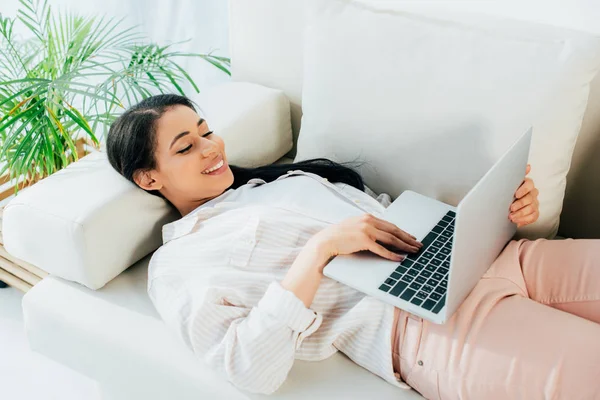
pixel 164 147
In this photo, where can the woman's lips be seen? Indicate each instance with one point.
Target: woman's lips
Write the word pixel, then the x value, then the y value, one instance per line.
pixel 220 170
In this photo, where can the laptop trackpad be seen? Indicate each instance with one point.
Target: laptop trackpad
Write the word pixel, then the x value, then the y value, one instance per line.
pixel 415 213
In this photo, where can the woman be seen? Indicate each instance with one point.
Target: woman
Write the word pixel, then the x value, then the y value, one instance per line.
pixel 239 276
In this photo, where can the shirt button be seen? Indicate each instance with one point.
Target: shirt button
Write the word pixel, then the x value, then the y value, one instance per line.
pixel 420 363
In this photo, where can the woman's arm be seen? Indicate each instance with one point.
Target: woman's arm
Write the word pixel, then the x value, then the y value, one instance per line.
pixel 255 347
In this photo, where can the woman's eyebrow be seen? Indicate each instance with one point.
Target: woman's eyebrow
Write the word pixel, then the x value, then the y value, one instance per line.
pixel 182 134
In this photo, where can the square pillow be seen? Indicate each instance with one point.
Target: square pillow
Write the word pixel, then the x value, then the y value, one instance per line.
pixel 430 104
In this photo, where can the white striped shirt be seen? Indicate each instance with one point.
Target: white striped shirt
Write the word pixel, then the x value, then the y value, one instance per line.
pixel 215 283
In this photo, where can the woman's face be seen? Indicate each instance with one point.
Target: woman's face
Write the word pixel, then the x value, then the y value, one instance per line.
pixel 187 157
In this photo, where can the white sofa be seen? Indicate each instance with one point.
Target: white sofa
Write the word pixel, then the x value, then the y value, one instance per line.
pixel 115 336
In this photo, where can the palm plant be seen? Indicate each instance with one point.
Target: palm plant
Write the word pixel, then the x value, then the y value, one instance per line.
pixel 73 77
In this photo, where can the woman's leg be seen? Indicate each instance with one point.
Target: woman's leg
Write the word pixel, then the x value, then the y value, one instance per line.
pixel 564 274
pixel 502 345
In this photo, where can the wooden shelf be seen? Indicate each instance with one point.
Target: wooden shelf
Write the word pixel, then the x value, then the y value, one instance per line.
pixel 15 272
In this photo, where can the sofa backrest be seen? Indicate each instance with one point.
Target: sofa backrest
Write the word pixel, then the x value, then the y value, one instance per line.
pixel 266 40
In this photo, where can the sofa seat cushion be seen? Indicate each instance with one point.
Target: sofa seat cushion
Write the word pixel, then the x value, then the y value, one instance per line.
pixel 115 336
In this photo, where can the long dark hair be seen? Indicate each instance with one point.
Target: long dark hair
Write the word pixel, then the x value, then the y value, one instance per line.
pixel 131 143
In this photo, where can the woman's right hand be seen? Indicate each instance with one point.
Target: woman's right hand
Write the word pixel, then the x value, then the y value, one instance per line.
pixel 365 232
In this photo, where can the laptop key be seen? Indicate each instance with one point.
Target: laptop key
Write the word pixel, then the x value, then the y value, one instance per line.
pixel 408 294
pixel 428 305
pixel 451 214
pixel 442 270
pixel 423 295
pixel 426 273
pixel 447 233
pixel 438 243
pixel 390 281
pixel 445 250
pixel 435 296
pixel 443 223
pixel 436 262
pixel 412 272
pixel 407 278
pixel 400 269
pixel 418 266
pixel 437 229
pixel 440 289
pixel 427 255
pixel 431 268
pixel 444 283
pixel 416 301
pixel 385 288
pixel 400 286
pixel 395 275
pixel 440 256
pixel 420 279
pixel 428 288
pixel 439 305
pixel 437 276
pixel 431 282
pixel 415 286
pixel 427 240
pixel 433 249
pixel 447 218
pixel 446 264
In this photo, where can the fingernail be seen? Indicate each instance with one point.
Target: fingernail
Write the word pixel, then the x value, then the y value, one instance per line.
pixel 400 257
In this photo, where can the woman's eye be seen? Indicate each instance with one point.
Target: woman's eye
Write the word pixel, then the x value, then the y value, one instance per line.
pixel 207 133
pixel 184 150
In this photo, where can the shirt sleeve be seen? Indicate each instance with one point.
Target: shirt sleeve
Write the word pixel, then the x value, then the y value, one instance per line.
pixel 254 347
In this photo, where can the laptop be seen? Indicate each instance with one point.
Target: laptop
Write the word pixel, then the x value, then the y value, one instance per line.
pixel 459 243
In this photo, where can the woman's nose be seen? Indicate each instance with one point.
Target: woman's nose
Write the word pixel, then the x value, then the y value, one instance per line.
pixel 208 151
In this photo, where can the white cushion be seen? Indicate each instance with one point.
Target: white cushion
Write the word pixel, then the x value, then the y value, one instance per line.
pixel 86 223
pixel 431 103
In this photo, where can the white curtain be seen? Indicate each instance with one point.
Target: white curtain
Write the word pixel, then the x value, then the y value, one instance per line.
pixel 205 22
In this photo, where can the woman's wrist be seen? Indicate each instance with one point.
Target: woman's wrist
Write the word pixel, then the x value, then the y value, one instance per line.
pixel 305 274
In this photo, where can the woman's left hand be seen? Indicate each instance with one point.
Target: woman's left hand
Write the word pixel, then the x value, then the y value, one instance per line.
pixel 525 209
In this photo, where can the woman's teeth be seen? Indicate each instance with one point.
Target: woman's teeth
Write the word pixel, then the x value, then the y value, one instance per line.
pixel 216 167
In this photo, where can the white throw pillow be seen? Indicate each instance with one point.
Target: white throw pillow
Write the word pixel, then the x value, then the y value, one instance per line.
pixel 253 120
pixel 86 223
pixel 430 104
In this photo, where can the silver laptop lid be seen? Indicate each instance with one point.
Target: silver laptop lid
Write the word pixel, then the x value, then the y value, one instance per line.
pixel 482 227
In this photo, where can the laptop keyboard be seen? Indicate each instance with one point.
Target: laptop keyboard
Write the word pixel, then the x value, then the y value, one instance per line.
pixel 422 278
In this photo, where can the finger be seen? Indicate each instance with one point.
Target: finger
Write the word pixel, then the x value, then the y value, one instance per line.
pixel 530 219
pixel 383 252
pixel 389 239
pixel 526 187
pixel 393 229
pixel 523 202
pixel 528 169
pixel 522 213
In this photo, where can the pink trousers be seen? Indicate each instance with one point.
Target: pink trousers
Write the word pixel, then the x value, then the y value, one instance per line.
pixel 530 329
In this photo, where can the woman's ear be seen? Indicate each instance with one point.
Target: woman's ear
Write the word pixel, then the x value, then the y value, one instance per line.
pixel 146 180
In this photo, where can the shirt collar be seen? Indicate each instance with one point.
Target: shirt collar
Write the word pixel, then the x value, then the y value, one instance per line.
pixel 185 225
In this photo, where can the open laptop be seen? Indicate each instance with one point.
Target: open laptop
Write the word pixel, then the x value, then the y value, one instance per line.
pixel 459 244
